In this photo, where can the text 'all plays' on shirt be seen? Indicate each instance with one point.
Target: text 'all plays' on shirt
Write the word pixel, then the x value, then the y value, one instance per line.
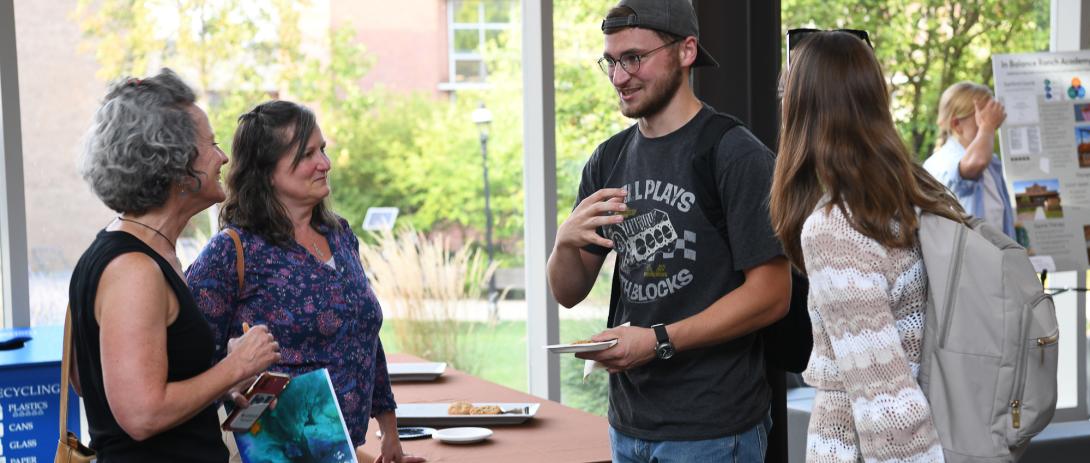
pixel 673 264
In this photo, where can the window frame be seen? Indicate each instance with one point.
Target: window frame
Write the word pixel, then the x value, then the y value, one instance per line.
pixel 14 268
pixel 454 56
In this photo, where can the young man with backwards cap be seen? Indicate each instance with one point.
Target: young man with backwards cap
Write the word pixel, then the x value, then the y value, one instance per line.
pixel 687 378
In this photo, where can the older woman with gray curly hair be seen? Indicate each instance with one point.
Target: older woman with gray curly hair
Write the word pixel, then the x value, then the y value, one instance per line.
pixel 143 352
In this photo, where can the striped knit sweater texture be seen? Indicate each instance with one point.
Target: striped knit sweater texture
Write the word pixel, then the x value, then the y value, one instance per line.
pixel 866 305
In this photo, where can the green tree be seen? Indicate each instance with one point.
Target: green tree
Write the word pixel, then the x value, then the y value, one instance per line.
pixel 238 54
pixel 586 104
pixel 423 156
pixel 217 45
pixel 415 152
pixel 927 45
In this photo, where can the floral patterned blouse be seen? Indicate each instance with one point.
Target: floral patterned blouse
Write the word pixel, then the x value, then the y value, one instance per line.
pixel 322 317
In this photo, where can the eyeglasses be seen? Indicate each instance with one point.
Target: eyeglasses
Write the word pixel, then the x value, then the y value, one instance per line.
pixel 796 36
pixel 630 62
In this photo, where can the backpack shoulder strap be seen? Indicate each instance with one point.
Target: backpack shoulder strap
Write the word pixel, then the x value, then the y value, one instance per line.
pixel 714 129
pixel 789 341
pixel 610 156
pixel 240 258
pixel 705 167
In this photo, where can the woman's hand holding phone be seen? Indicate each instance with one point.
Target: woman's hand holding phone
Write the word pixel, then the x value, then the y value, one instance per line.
pixel 259 397
pixel 237 394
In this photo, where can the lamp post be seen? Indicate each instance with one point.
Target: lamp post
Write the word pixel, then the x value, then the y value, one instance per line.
pixel 483 118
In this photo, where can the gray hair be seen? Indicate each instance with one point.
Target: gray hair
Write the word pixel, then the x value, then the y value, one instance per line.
pixel 141 143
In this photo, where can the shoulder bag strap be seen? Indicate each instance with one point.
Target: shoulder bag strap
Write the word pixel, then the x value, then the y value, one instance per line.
pixel 240 259
pixel 66 365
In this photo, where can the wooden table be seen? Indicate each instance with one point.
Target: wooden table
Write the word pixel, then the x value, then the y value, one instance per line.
pixel 555 434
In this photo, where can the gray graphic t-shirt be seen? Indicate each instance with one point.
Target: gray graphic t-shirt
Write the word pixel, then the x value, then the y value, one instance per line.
pixel 673 264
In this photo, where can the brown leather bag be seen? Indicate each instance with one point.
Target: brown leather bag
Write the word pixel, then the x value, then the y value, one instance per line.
pixel 240 271
pixel 69 448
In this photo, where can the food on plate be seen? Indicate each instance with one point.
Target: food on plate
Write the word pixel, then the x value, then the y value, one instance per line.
pixel 486 410
pixel 462 407
pixel 583 341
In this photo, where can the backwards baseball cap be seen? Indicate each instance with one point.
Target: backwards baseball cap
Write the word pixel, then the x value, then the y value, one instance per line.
pixel 671 16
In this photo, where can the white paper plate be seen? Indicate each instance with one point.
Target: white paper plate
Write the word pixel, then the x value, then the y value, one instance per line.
pixel 423 371
pixel 462 435
pixel 585 347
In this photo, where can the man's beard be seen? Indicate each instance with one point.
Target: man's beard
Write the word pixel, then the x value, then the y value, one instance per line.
pixel 658 96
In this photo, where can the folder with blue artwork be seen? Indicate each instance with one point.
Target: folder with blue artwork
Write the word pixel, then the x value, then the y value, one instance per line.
pixel 305 427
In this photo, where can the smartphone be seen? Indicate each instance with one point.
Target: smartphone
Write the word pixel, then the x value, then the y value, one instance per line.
pixel 261 394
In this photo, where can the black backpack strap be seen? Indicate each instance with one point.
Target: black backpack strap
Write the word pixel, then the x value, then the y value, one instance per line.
pixel 614 294
pixel 705 168
pixel 611 156
pixel 788 342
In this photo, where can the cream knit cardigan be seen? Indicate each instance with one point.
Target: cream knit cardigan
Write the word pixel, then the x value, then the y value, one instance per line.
pixel 866 305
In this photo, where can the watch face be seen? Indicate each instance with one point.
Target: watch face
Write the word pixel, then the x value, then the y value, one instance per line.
pixel 664 351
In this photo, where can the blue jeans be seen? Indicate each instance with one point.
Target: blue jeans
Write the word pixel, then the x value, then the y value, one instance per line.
pixel 747 446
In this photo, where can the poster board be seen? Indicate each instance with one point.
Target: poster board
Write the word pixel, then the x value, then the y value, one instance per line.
pixel 1045 147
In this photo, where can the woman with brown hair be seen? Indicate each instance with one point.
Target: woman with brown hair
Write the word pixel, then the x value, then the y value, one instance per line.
pixel 302 274
pixel 845 198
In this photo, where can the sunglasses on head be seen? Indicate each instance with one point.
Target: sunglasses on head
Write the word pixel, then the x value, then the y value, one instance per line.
pixel 797 36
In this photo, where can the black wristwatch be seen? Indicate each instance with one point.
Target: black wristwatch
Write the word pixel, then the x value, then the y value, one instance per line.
pixel 664 349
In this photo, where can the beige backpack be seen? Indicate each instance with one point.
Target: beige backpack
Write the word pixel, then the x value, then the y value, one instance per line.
pixel 988 365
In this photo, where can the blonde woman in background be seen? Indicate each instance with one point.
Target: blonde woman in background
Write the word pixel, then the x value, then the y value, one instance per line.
pixel 966 162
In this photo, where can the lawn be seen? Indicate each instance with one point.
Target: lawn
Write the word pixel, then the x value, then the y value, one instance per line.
pixel 498 352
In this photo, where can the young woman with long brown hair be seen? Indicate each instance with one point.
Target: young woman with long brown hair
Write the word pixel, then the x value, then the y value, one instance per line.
pixel 845 198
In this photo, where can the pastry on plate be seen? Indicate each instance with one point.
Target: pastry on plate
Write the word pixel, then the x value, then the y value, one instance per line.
pixel 460 407
pixel 486 410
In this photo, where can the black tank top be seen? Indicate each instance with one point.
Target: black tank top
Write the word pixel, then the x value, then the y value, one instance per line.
pixel 190 349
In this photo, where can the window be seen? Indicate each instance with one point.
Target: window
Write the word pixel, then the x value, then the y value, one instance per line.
pixel 586 115
pixel 3 304
pixel 473 25
pixel 62 215
pixel 3 231
pixel 405 148
pixel 913 51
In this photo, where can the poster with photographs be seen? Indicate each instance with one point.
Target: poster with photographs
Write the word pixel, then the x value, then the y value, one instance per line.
pixel 1045 146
